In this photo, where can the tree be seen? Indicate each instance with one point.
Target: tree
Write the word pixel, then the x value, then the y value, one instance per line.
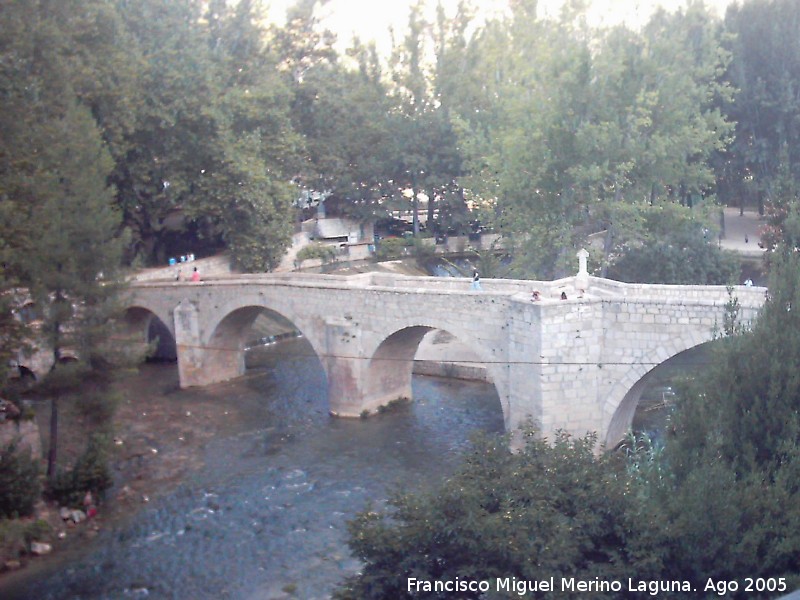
pixel 210 138
pixel 732 456
pixel 72 255
pixel 548 511
pixel 425 154
pixel 342 113
pixel 245 191
pixel 665 243
pixel 19 482
pixel 578 121
pixel 60 225
pixel 764 67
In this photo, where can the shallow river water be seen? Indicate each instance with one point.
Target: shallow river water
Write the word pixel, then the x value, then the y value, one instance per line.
pixel 265 517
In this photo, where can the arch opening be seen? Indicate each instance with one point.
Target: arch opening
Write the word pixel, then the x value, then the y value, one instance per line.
pixel 422 351
pixel 645 407
pixel 148 336
pixel 256 340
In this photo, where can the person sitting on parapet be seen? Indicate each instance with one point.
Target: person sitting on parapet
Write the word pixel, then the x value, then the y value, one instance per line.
pixel 563 295
pixel 536 296
pixel 195 275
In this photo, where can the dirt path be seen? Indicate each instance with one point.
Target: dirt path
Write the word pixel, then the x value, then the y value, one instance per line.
pixel 742 232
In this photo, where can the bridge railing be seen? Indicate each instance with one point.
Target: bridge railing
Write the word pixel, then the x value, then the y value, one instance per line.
pixel 747 295
pixel 593 287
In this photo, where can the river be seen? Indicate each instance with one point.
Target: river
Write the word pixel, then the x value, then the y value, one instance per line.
pixel 265 516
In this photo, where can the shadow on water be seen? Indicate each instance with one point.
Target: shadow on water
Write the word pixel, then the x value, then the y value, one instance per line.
pixel 267 512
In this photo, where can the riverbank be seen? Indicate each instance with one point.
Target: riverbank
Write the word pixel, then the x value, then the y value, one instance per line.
pixel 161 436
pixel 264 515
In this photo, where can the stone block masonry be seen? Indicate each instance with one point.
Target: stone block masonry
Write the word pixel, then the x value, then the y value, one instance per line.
pixel 574 364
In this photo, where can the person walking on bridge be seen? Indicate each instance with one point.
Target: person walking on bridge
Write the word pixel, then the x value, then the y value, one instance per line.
pixel 476 282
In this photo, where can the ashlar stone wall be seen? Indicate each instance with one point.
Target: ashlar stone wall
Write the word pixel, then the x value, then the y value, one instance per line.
pixel 576 364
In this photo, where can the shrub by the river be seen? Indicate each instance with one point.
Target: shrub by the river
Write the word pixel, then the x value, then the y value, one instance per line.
pixel 91 473
pixel 551 510
pixel 16 536
pixel 20 486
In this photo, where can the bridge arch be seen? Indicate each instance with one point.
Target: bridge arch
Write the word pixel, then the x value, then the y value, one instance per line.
pixel 142 326
pixel 621 403
pixel 390 366
pixel 226 336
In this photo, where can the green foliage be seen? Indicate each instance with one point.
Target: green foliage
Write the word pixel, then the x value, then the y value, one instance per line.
pixel 733 454
pixel 16 536
pixel 668 243
pixel 551 510
pixel 750 401
pixel 574 117
pixel 98 407
pixel 13 331
pixel 68 377
pixel 20 485
pixel 686 260
pixel 764 68
pixel 424 247
pixel 391 248
pixel 323 252
pixel 91 473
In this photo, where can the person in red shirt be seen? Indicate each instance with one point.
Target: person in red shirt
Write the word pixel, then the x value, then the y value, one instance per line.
pixel 195 275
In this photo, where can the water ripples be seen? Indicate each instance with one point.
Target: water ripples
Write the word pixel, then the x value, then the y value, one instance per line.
pixel 268 511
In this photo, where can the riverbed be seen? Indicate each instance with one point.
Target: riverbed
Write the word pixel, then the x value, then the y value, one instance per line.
pixel 259 509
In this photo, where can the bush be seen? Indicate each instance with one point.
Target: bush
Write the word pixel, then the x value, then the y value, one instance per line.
pixel 424 248
pixel 91 473
pixel 324 252
pixel 16 537
pixel 20 486
pixel 549 511
pixel 393 248
pixel 98 407
pixel 678 261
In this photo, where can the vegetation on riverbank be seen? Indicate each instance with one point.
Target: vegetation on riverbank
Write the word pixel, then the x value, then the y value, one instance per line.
pixel 32 506
pixel 720 500
pixel 135 131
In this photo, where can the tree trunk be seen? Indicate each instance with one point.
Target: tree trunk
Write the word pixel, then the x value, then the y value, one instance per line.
pixel 415 205
pixel 607 245
pixel 52 452
pixel 431 206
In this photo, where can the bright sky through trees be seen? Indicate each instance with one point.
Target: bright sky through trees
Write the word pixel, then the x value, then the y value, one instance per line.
pixel 371 19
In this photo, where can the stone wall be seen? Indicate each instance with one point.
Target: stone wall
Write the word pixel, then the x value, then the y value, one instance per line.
pixel 571 364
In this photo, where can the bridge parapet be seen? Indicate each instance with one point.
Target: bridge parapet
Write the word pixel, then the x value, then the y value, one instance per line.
pixel 574 364
pixel 747 295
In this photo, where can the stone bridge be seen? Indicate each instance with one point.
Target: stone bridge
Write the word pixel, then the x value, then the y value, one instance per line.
pixel 578 364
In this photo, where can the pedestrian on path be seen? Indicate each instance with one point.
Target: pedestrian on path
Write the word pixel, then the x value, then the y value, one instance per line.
pixel 476 282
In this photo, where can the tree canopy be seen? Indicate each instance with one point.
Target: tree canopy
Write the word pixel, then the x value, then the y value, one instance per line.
pixel 216 120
